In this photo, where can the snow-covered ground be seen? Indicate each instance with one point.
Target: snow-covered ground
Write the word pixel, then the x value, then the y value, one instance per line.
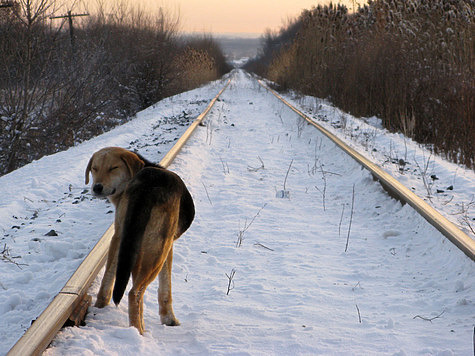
pixel 276 205
pixel 447 187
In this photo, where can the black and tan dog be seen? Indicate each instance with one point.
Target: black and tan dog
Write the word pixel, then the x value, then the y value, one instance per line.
pixel 153 208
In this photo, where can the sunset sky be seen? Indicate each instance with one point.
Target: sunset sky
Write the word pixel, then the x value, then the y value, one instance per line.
pixel 238 16
pixel 243 17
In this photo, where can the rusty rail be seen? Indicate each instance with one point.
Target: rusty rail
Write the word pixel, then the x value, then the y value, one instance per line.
pixel 72 301
pixel 395 188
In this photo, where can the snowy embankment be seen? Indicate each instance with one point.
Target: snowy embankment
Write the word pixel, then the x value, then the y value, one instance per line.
pixel 49 220
pixel 447 187
pixel 294 289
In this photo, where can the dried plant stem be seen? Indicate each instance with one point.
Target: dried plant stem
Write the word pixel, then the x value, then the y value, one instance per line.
pixel 230 280
pixel 429 319
pixel 255 169
pixel 225 166
pixel 288 170
pixel 341 219
pixel 246 227
pixel 5 256
pixel 423 172
pixel 324 193
pixel 263 246
pixel 206 190
pixel 359 315
pixel 351 218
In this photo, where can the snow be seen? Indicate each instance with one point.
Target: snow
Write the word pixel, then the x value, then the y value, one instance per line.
pixel 294 289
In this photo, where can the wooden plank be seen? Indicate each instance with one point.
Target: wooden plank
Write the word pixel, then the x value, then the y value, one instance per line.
pixel 447 228
pixel 43 330
pixel 78 315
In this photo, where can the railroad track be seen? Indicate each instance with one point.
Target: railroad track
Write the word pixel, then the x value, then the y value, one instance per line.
pixel 395 188
pixel 70 305
pixel 72 302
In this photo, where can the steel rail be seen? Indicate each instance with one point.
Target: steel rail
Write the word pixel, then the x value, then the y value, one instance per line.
pixel 73 295
pixel 395 188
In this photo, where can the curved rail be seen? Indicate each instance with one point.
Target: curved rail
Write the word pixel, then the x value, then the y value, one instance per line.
pixel 395 188
pixel 72 301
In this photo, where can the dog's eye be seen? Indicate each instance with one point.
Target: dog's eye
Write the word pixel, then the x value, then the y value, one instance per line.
pixel 94 169
pixel 112 168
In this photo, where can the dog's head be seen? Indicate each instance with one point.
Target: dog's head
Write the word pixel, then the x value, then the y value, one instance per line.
pixel 112 168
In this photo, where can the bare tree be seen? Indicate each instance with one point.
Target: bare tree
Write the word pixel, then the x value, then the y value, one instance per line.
pixel 53 96
pixel 25 59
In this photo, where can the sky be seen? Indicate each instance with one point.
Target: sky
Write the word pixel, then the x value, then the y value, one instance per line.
pixel 244 17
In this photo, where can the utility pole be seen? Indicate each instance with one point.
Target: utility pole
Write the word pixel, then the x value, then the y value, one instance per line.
pixel 70 16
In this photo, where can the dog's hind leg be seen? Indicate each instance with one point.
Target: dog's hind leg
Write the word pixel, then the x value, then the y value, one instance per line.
pixel 105 291
pixel 146 271
pixel 136 309
pixel 167 316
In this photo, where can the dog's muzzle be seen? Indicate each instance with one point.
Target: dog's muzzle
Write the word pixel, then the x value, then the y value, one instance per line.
pixel 98 190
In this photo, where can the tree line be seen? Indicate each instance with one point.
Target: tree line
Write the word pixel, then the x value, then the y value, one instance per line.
pixel 409 62
pixel 60 85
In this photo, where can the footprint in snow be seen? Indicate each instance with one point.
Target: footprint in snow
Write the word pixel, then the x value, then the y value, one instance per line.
pixel 391 233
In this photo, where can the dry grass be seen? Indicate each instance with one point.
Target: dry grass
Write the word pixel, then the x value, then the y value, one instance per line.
pixel 409 62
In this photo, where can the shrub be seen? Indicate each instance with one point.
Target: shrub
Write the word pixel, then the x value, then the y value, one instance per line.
pixel 56 91
pixel 408 62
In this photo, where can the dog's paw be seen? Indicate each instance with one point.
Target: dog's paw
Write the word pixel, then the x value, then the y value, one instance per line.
pixel 101 303
pixel 169 320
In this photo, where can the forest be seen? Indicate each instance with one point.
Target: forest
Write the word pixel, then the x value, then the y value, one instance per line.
pixel 67 77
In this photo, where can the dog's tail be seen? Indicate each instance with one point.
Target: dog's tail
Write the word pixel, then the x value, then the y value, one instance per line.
pixel 137 215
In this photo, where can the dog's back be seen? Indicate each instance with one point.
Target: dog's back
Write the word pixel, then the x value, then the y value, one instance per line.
pixel 153 192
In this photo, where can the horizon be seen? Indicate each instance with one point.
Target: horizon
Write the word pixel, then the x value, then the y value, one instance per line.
pixel 247 18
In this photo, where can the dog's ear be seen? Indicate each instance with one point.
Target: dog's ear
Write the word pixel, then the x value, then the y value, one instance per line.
pixel 88 169
pixel 133 162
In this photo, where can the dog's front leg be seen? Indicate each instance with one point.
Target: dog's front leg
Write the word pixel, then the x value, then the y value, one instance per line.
pixel 105 291
pixel 167 316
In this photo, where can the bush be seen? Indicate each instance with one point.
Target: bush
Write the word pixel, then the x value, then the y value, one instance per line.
pixel 199 60
pixel 408 62
pixel 56 91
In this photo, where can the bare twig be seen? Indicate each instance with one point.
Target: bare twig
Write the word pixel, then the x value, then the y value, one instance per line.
pixel 5 256
pixel 206 190
pixel 448 201
pixel 252 169
pixel 246 227
pixel 311 171
pixel 359 315
pixel 288 170
pixel 423 172
pixel 230 280
pixel 261 245
pixel 279 113
pixel 324 193
pixel 209 131
pixel 300 126
pixel 465 218
pixel 351 218
pixel 225 166
pixel 429 319
pixel 341 219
